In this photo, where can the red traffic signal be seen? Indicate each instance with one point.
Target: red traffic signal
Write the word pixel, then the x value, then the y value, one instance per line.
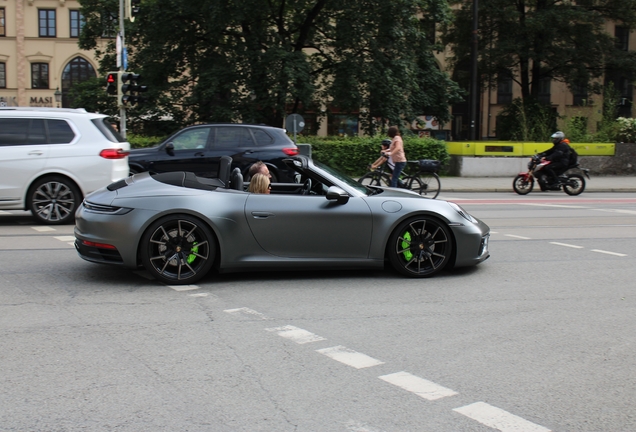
pixel 111 83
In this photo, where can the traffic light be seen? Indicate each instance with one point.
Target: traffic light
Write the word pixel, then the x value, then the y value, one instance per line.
pixel 111 83
pixel 130 89
pixel 132 8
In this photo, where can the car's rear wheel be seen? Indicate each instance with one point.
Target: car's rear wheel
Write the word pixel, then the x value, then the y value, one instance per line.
pixel 420 246
pixel 53 200
pixel 178 249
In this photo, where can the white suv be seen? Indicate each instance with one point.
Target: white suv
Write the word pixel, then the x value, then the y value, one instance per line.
pixel 50 158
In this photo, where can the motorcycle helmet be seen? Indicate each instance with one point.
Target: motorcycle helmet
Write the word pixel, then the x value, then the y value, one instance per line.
pixel 557 136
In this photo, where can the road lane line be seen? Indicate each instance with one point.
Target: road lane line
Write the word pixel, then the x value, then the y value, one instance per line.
pixel 608 252
pixel 553 205
pixel 184 287
pixel 498 419
pixel 296 334
pixel 616 211
pixel 567 245
pixel 519 237
pixel 43 228
pixel 350 357
pixel 246 311
pixel 421 387
pixel 65 238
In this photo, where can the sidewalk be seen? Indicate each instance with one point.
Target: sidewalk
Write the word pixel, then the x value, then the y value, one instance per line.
pixel 504 184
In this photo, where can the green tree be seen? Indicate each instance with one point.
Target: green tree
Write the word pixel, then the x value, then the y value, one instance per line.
pixel 258 60
pixel 532 40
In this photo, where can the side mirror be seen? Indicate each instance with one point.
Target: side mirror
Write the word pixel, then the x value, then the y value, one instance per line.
pixel 334 193
pixel 169 148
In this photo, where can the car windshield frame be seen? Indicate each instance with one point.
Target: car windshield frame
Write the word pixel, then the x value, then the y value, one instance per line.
pixel 343 178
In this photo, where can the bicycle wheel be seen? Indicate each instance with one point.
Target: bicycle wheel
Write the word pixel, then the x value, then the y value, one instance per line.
pixel 430 185
pixel 375 179
pixel 412 183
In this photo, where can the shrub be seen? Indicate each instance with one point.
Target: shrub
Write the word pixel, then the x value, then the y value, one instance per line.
pixel 139 141
pixel 626 129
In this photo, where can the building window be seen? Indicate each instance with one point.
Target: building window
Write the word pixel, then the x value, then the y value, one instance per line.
pixel 3 75
pixel 579 94
pixel 110 23
pixel 39 75
pixel 504 90
pixel 76 71
pixel 342 125
pixel 77 22
pixel 46 18
pixel 544 90
pixel 3 31
pixel 622 38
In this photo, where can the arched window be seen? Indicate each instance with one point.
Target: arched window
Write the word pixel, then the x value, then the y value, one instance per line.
pixel 76 71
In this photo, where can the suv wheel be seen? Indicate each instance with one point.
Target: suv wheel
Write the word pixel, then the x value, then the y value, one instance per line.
pixel 53 200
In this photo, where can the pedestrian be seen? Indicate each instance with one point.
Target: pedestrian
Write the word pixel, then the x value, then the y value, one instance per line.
pixel 396 153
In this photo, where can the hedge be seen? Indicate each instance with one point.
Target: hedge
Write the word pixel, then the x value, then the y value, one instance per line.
pixel 350 155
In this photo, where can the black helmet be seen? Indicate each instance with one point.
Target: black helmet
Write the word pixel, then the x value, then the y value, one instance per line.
pixel 386 142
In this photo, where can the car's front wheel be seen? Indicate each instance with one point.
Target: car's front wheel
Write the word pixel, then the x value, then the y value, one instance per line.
pixel 420 246
pixel 53 200
pixel 178 249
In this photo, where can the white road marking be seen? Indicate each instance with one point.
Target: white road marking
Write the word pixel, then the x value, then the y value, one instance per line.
pixel 296 334
pixel 519 237
pixel 43 228
pixel 184 287
pixel 199 295
pixel 498 419
pixel 356 426
pixel 567 245
pixel 66 238
pixel 350 357
pixel 553 205
pixel 608 252
pixel 421 387
pixel 616 211
pixel 246 311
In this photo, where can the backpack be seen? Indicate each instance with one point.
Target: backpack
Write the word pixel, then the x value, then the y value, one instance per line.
pixel 574 157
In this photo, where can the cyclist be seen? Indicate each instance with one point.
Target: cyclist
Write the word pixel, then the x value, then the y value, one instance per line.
pixel 396 152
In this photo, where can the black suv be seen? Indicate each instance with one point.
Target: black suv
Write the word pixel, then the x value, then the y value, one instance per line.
pixel 199 148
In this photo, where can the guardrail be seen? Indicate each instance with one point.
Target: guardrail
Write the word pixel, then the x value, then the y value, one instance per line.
pixel 517 149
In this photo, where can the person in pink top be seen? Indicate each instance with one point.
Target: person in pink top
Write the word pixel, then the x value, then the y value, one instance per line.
pixel 396 152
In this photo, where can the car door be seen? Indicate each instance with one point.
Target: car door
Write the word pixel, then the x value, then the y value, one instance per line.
pixel 23 152
pixel 310 226
pixel 187 151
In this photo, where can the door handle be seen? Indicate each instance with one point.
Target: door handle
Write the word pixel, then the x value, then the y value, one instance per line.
pixel 36 153
pixel 199 154
pixel 261 215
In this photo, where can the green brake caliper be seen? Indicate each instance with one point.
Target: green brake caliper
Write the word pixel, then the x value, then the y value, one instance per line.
pixel 406 244
pixel 193 251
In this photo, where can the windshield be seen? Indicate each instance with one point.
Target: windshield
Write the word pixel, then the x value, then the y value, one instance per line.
pixel 343 177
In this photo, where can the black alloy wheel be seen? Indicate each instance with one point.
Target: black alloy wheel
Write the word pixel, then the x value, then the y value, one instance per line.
pixel 420 247
pixel 53 200
pixel 178 249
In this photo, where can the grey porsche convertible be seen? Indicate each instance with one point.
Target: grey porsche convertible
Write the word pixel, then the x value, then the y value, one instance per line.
pixel 180 226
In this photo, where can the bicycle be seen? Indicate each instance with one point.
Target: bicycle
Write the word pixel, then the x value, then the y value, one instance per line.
pixel 424 181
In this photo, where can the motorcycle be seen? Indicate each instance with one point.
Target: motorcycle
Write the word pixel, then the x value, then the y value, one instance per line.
pixel 571 183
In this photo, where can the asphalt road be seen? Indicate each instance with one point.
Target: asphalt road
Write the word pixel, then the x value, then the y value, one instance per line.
pixel 539 337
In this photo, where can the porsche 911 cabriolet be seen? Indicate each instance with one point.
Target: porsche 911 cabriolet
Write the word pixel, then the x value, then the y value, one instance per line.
pixel 179 226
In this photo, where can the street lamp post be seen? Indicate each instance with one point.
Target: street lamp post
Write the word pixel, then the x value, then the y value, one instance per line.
pixel 58 96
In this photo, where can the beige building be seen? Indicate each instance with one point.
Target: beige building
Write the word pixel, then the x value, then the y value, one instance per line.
pixel 39 56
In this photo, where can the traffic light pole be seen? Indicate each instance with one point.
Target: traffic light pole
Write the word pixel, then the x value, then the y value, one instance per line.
pixel 122 109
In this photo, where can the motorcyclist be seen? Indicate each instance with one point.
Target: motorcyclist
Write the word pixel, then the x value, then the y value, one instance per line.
pixel 559 157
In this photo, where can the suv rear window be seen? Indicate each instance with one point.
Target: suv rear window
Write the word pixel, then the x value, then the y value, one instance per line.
pixel 106 128
pixel 24 131
pixel 262 138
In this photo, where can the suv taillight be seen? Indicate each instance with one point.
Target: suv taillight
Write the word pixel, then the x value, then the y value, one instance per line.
pixel 290 151
pixel 113 153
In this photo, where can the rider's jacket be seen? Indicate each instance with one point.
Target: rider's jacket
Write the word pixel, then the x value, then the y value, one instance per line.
pixel 559 153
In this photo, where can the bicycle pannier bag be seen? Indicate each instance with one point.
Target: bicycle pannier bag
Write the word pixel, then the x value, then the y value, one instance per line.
pixel 429 165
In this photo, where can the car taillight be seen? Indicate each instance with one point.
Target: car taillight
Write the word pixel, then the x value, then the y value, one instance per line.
pixel 290 151
pixel 98 245
pixel 113 153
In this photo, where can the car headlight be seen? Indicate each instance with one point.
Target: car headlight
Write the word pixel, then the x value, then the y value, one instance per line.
pixel 462 212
